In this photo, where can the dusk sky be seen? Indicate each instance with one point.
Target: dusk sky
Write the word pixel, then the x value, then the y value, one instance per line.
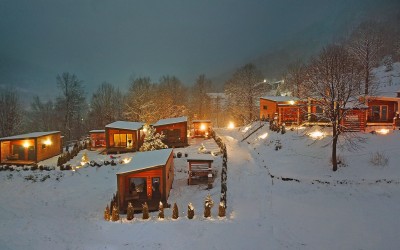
pixel 115 40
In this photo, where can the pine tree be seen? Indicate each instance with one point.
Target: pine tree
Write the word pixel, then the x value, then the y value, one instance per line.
pixel 130 212
pixel 208 204
pixel 175 212
pixel 161 210
pixel 85 158
pixel 190 211
pixel 152 140
pixel 221 210
pixel 114 214
pixel 145 211
pixel 107 213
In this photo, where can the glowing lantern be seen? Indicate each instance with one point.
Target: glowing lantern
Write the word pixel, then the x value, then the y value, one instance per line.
pixel 202 127
pixel 291 102
pixel 47 142
pixel 26 144
pixel 231 125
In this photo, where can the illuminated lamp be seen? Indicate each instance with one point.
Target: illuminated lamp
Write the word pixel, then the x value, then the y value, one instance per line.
pixel 26 144
pixel 231 125
pixel 291 102
pixel 202 127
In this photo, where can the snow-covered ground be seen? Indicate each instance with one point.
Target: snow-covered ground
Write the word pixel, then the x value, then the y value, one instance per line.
pixel 354 208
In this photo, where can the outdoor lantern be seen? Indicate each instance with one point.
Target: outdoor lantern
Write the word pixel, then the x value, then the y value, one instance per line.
pixel 202 127
pixel 26 144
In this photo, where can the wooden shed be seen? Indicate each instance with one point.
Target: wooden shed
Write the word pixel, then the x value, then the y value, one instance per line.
pixel 202 128
pixel 123 136
pixel 30 148
pixel 174 130
pixel 97 138
pixel 286 108
pixel 382 110
pixel 147 178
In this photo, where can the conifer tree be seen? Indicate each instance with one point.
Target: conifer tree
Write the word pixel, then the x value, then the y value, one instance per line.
pixel 175 212
pixel 114 214
pixel 152 140
pixel 107 213
pixel 221 210
pixel 190 211
pixel 85 158
pixel 161 210
pixel 130 212
pixel 208 204
pixel 145 211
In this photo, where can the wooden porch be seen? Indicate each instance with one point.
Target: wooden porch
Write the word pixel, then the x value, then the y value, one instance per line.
pixel 17 162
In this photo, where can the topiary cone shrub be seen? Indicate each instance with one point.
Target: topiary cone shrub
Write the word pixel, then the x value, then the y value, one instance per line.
pixel 175 212
pixel 208 204
pixel 130 212
pixel 145 215
pixel 161 210
pixel 115 214
pixel 107 213
pixel 190 211
pixel 221 210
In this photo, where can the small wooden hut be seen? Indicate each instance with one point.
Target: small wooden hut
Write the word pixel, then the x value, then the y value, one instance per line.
pixel 174 131
pixel 97 138
pixel 123 136
pixel 147 178
pixel 30 148
pixel 201 128
pixel 285 109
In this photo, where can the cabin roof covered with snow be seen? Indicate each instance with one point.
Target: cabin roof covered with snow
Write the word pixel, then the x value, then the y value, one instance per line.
pixel 29 135
pixel 280 98
pixel 97 131
pixel 145 160
pixel 170 121
pixel 126 125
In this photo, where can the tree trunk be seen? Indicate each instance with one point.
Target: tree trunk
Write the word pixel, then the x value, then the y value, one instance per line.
pixel 334 144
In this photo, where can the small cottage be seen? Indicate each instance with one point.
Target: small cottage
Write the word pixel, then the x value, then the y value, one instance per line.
pixel 30 148
pixel 147 178
pixel 123 136
pixel 201 128
pixel 97 139
pixel 382 108
pixel 285 109
pixel 174 131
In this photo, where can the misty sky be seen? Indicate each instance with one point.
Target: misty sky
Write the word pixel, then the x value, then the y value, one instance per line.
pixel 114 40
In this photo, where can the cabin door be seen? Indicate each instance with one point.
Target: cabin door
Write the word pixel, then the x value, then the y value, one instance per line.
pixel 31 153
pixel 20 150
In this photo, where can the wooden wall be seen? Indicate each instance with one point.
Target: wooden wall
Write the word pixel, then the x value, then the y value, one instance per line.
pixel 50 150
pixel 392 107
pixel 97 138
pixel 182 126
pixel 109 133
pixel 271 109
pixel 355 120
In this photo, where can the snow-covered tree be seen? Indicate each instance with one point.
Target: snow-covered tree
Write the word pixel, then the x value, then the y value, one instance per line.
pixel 190 211
pixel 221 210
pixel 114 214
pixel 175 212
pixel 294 79
pixel 200 101
pixel 145 215
pixel 10 113
pixel 388 62
pixel 208 204
pixel 107 213
pixel 41 115
pixel 161 210
pixel 152 140
pixel 130 212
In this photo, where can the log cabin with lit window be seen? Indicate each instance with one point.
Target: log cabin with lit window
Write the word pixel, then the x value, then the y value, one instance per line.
pixel 30 148
pixel 174 131
pixel 123 136
pixel 147 178
pixel 201 128
pixel 97 139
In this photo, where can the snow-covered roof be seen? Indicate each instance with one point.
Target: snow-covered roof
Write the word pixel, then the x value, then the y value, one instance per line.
pixel 280 98
pixel 126 125
pixel 29 135
pixel 97 131
pixel 200 157
pixel 148 159
pixel 201 121
pixel 170 121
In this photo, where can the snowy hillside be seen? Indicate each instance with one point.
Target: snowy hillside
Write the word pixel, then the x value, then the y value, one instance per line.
pixel 388 81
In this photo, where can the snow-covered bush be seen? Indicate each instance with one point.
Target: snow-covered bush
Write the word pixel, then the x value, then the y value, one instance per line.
pixel 160 210
pixel 152 140
pixel 129 211
pixel 208 204
pixel 379 159
pixel 175 212
pixel 221 210
pixel 114 214
pixel 190 211
pixel 107 213
pixel 145 215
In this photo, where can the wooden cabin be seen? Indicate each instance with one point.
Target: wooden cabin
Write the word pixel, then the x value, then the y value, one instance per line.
pixel 147 178
pixel 174 131
pixel 382 109
pixel 123 136
pixel 30 148
pixel 97 138
pixel 201 128
pixel 285 109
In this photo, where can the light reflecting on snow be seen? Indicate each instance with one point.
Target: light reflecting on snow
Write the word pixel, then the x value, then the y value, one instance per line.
pixel 231 125
pixel 317 135
pixel 383 131
pixel 263 136
pixel 245 129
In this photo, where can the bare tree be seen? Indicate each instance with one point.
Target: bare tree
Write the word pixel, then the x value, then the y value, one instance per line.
pixel 200 105
pixel 10 113
pixel 106 105
pixel 334 81
pixel 42 115
pixel 295 77
pixel 243 91
pixel 365 44
pixel 71 104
